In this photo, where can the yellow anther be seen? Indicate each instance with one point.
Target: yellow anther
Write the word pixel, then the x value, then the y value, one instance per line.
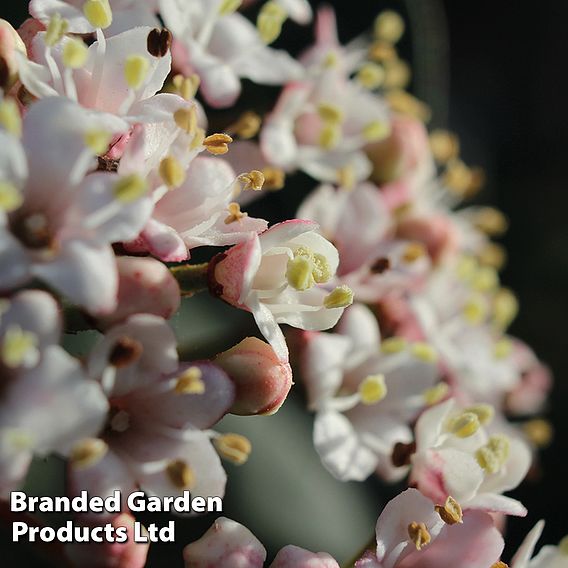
pixel 404 103
pixel 321 269
pixel 464 425
pixel 375 131
pixel 97 141
pixel 413 252
pixel 171 172
pixel 270 20
pixel 299 273
pixel 98 12
pixel 503 348
pixel 389 26
pixel 130 188
pixel 75 54
pixel 493 255
pixel 87 453
pixel 424 352
pixel 10 117
pixel 393 345
pixel 330 113
pixel 462 180
pixel 252 180
pixel 331 60
pixel 136 69
pixel 247 126
pixel 373 389
pixel 493 456
pixel 397 74
pixel 330 136
pixel 505 308
pixel 198 139
pixel 499 564
pixel 180 474
pixel 485 279
pixel 19 347
pixel 491 221
pixel 484 412
pixel 233 447
pixel 419 535
pixel 451 512
pixel 10 197
pixel 190 382
pixel 445 145
pixel 539 431
pixel 347 177
pixel 186 87
pixel 229 6
pixel 563 546
pixel 382 51
pixel 466 268
pixel 341 297
pixel 475 310
pixel 435 394
pixel 371 76
pixel 235 213
pixel 186 119
pixel 56 28
pixel 217 144
pixel 19 439
pixel 274 178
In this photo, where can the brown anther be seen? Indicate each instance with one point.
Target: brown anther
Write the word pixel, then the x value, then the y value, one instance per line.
pixel 402 453
pixel 107 165
pixel 413 252
pixel 233 447
pixel 159 42
pixel 493 255
pixel 451 512
pixel 274 178
pixel 190 382
pixel 87 453
pixel 252 180
pixel 125 352
pixel 217 144
pixel 445 145
pixel 491 221
pixel 235 213
pixel 419 535
pixel 381 265
pixel 499 564
pixel 247 126
pixel 397 74
pixel 381 51
pixel 463 180
pixel 33 231
pixel 180 474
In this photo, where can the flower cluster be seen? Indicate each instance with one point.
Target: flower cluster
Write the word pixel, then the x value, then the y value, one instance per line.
pixel 111 176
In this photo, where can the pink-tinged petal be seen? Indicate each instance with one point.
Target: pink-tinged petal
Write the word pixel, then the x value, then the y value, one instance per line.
pixel 474 544
pixel 227 544
pixel 393 542
pixel 295 557
pixel 44 10
pixel 285 231
pixel 368 560
pixel 339 448
pixel 326 27
pixel 223 234
pixel 144 286
pixel 85 273
pixel 494 503
pixel 35 78
pixel 360 325
pixel 429 425
pixel 324 205
pixel 161 241
pixel 269 328
pixel 526 550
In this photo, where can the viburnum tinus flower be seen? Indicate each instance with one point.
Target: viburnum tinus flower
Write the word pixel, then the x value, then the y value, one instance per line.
pixel 548 556
pixel 280 276
pixel 56 222
pixel 47 403
pixel 365 397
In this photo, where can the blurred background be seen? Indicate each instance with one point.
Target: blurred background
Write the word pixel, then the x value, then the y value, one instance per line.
pixel 493 72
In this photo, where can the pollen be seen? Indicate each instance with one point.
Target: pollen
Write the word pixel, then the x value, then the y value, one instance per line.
pixel 493 456
pixel 97 141
pixel 229 6
pixel 503 348
pixel 341 297
pixel 217 144
pixel 98 12
pixel 475 310
pixel 499 564
pixel 10 117
pixel 159 42
pixel 136 68
pixel 375 131
pixel 505 308
pixel 373 389
pixel 371 76
pixel 451 512
pixel 87 453
pixel 56 29
pixel 180 474
pixel 75 54
pixel 389 26
pixel 11 197
pixel 299 273
pixel 247 126
pixel 435 394
pixel 330 113
pixel 235 213
pixel 19 347
pixel 321 270
pixel 445 145
pixel 485 279
pixel 190 382
pixel 419 535
pixel 171 172
pixel 413 252
pixel 186 119
pixel 424 352
pixel 233 447
pixel 464 425
pixel 393 345
pixel 252 180
pixel 382 51
pixel 130 188
pixel 186 87
pixel 484 412
pixel 274 178
pixel 330 136
pixel 270 21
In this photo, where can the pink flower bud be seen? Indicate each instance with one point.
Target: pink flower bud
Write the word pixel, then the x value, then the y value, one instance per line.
pixel 10 43
pixel 128 554
pixel 295 557
pixel 145 286
pixel 262 379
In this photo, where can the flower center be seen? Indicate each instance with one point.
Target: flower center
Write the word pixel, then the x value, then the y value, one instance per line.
pixel 494 455
pixel 33 231
pixel 306 269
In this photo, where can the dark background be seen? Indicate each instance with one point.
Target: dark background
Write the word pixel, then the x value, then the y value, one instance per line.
pixel 501 86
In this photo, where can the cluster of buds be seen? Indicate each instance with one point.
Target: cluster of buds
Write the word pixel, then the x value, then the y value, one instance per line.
pixel 110 178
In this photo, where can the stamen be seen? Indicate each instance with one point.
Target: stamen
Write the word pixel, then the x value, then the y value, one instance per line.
pixel 503 348
pixel 493 456
pixel 299 273
pixel 466 268
pixel 404 103
pixel 424 352
pixel 247 126
pixel 371 76
pixel 10 117
pixel 171 172
pixel 435 394
pixel 136 70
pixel 330 113
pixel 130 188
pixel 270 21
pixel 464 425
pixel 330 136
pixel 341 297
pixel 233 447
pixel 186 87
pixel 274 178
pixel 235 213
pixel 347 177
pixel 413 252
pixel 217 144
pixel 382 51
pixel 186 119
pixel 419 535
pixel 389 26
pixel 451 512
pixel 159 42
pixel 393 345
pixel 484 412
pixel 75 54
pixel 252 180
pixel 505 308
pixel 125 352
pixel 19 347
pixel 98 141
pixel 11 197
pixel 499 564
pixel 397 74
pixel 190 382
pixel 485 279
pixel 56 29
pixel 539 431
pixel 229 6
pixel 402 454
pixel 445 145
pixel 98 12
pixel 180 474
pixel 475 310
pixel 493 255
pixel 491 221
pixel 375 131
pixel 88 453
pixel 373 389
pixel 381 265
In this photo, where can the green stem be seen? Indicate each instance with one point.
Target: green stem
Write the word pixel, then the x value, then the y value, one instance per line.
pixel 192 278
